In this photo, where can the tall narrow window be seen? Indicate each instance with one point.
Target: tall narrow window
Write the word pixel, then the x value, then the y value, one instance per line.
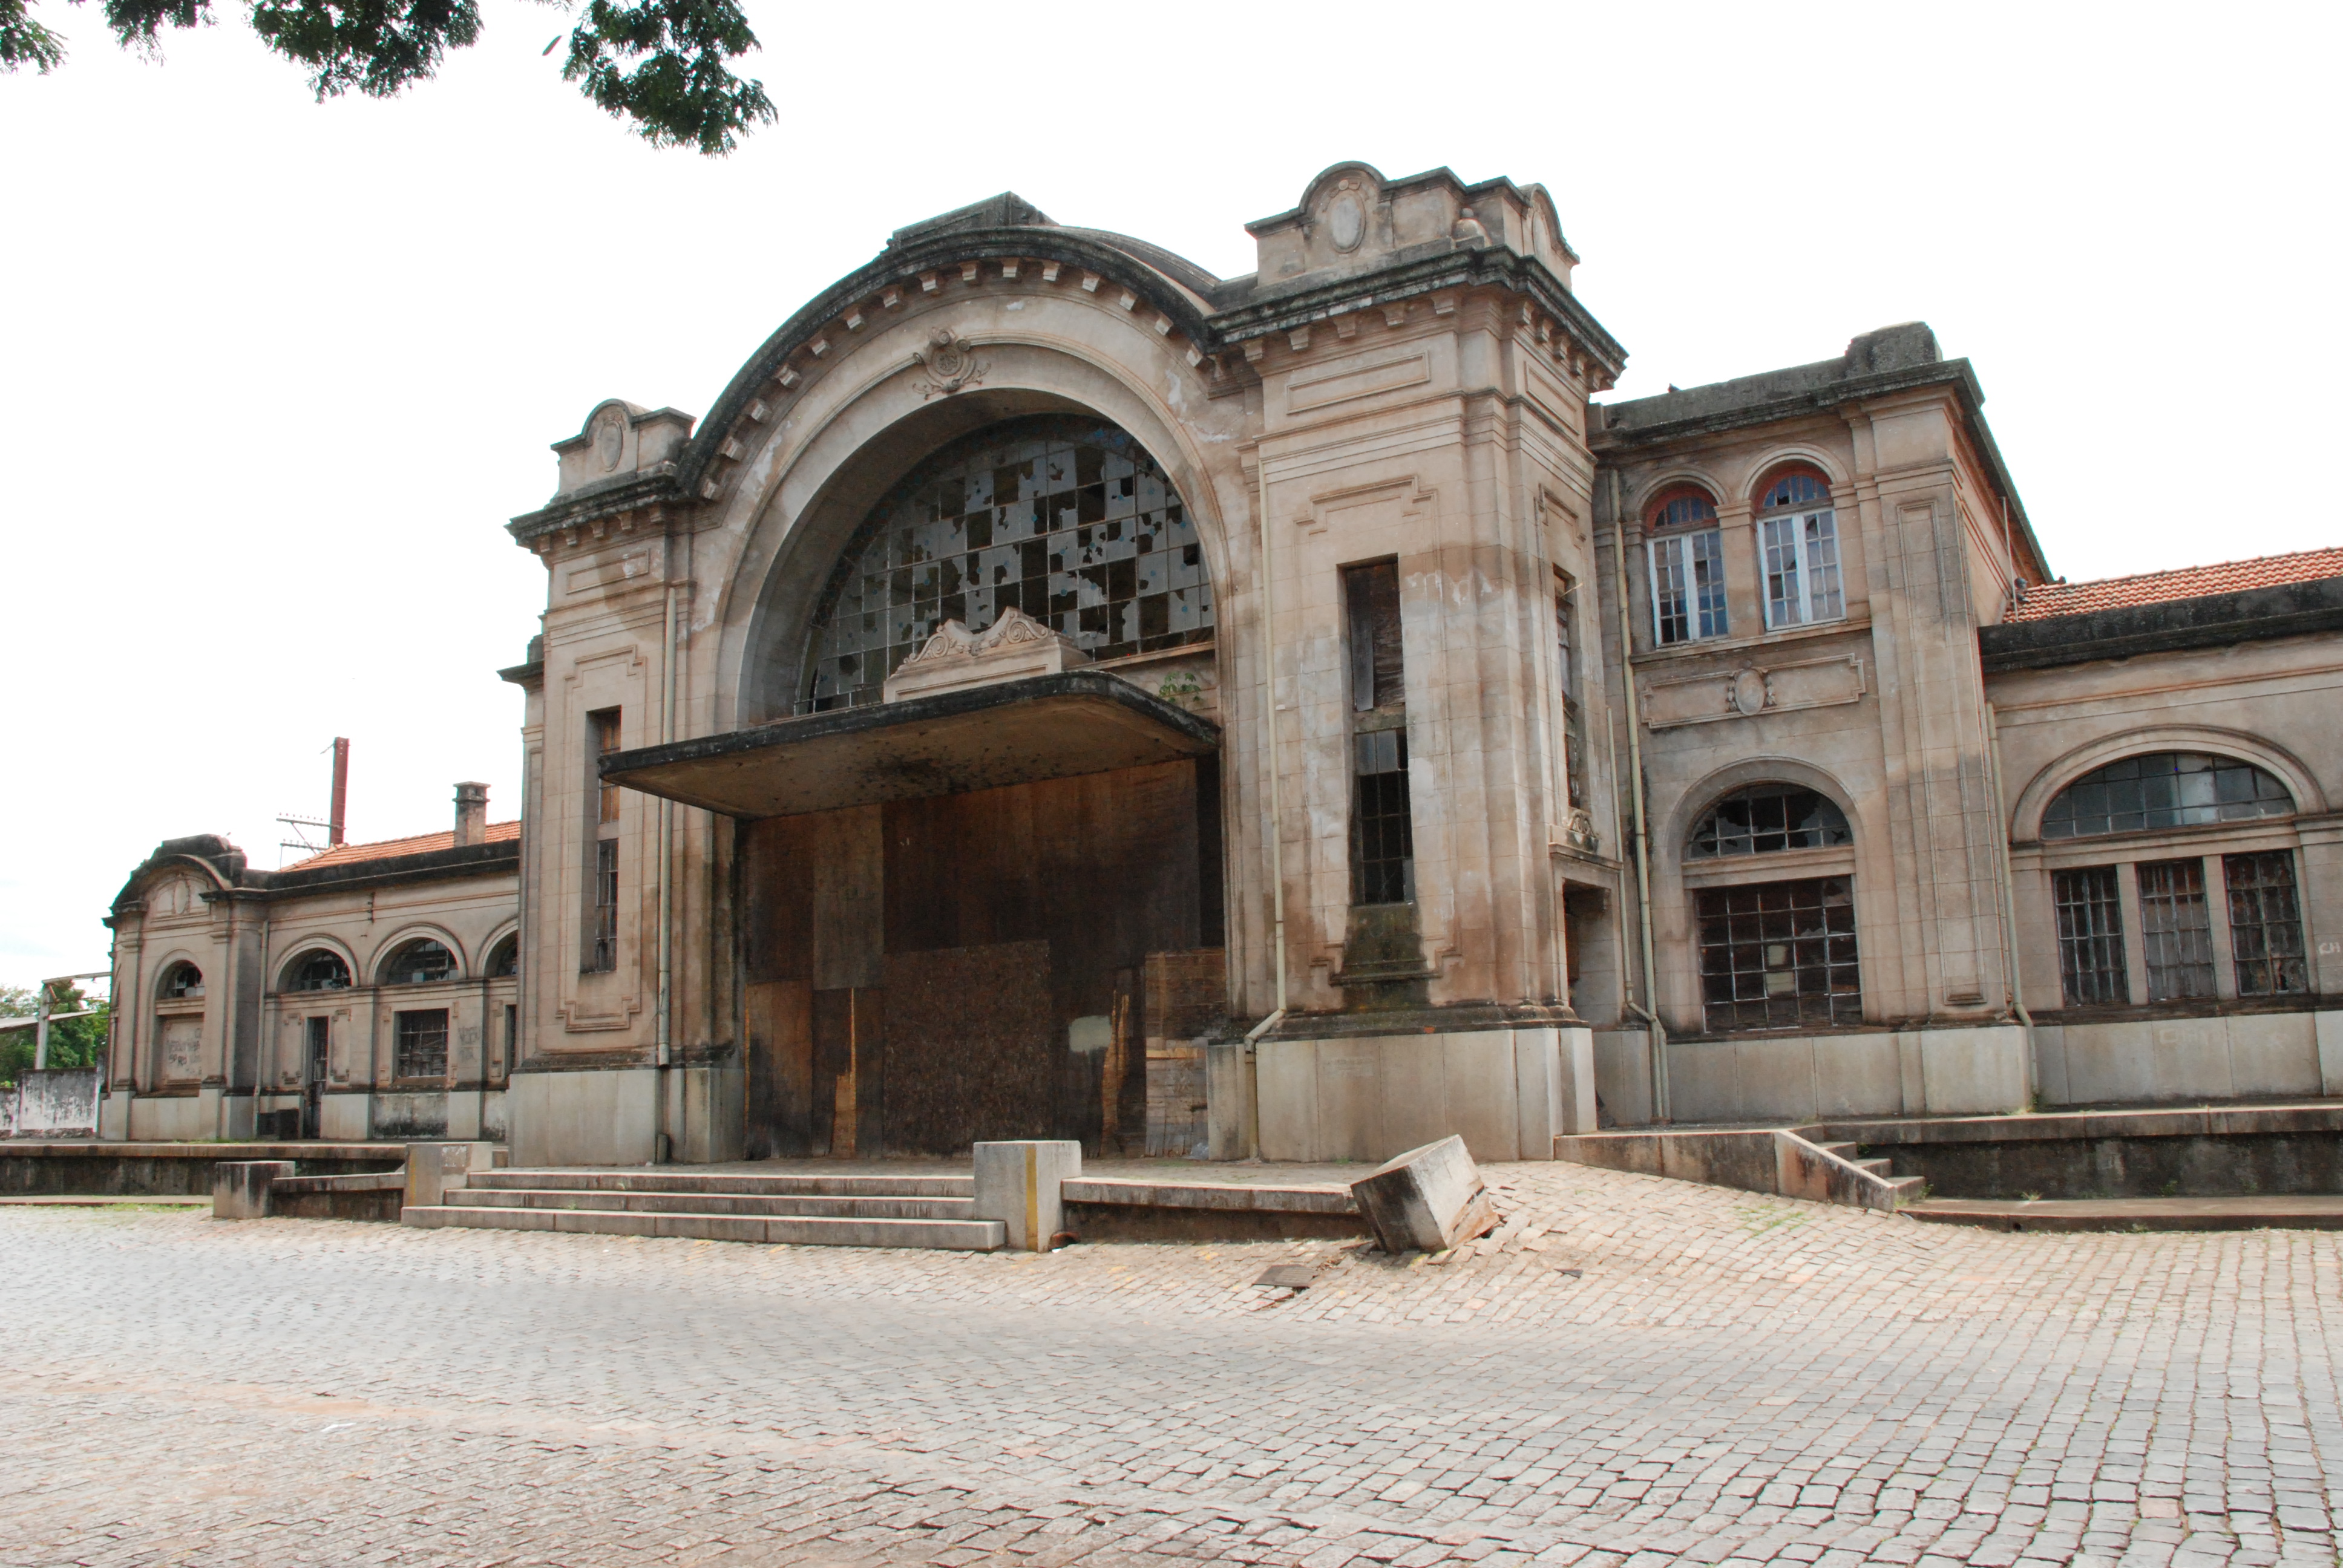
pixel 2090 936
pixel 1686 555
pixel 1383 832
pixel 1779 955
pixel 2265 923
pixel 2175 925
pixel 1798 535
pixel 1573 713
pixel 602 925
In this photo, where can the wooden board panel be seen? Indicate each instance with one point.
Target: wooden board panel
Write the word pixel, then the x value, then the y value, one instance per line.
pixel 971 1046
pixel 779 1070
pixel 849 891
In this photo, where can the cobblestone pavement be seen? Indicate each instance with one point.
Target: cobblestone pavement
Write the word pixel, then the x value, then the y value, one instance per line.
pixel 1633 1370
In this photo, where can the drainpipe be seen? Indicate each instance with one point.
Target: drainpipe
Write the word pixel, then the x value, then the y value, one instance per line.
pixel 2009 893
pixel 1660 1107
pixel 662 1143
pixel 1276 812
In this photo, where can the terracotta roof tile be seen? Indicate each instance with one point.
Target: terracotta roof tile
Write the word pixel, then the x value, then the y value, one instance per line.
pixel 389 849
pixel 2048 601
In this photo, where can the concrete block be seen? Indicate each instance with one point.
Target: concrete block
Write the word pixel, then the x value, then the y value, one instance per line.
pixel 240 1187
pixel 1426 1200
pixel 1286 1089
pixel 1857 1075
pixel 1975 1071
pixel 1019 1184
pixel 1483 1103
pixel 434 1169
pixel 1232 1130
pixel 1623 1074
pixel 2329 1026
pixel 2274 1054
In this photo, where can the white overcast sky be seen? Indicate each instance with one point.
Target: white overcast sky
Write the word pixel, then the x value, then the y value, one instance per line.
pixel 274 373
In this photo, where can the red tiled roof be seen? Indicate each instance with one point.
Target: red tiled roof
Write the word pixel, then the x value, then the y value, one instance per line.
pixel 386 849
pixel 2046 601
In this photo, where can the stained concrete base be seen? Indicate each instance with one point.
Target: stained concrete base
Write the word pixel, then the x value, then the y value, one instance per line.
pixel 2141 1061
pixel 1958 1071
pixel 611 1116
pixel 1508 1093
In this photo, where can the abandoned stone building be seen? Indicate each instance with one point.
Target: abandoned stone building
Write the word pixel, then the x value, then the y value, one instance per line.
pixel 1059 692
pixel 369 991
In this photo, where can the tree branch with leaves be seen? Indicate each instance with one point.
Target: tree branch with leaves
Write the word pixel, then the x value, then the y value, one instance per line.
pixel 664 67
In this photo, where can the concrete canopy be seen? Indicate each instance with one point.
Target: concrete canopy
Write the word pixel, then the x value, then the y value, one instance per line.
pixel 947 743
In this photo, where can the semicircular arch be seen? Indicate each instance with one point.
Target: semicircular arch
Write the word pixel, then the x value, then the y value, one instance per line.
pixel 407 936
pixel 2026 817
pixel 806 511
pixel 308 948
pixel 1765 464
pixel 1675 827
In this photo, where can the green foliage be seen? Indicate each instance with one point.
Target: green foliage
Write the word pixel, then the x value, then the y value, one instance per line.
pixel 73 1041
pixel 662 65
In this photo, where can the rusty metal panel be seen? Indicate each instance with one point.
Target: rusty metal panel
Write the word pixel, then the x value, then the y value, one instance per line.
pixel 972 1047
pixel 781 1070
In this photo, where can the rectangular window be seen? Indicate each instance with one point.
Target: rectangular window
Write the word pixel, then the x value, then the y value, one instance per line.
pixel 1382 855
pixel 2175 925
pixel 1780 955
pixel 1573 713
pixel 1687 587
pixel 1802 583
pixel 601 954
pixel 1383 832
pixel 2265 924
pixel 1803 568
pixel 422 1043
pixel 2090 936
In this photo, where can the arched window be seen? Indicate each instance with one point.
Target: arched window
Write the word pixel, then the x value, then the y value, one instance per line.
pixel 183 982
pixel 1686 555
pixel 317 970
pixel 2164 789
pixel 1797 545
pixel 419 963
pixel 504 961
pixel 1799 486
pixel 1066 518
pixel 1759 818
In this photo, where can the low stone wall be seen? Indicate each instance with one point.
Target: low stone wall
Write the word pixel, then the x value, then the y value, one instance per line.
pixel 1111 1210
pixel 51 1102
pixel 1761 1160
pixel 2234 1152
pixel 1791 1078
pixel 54 1170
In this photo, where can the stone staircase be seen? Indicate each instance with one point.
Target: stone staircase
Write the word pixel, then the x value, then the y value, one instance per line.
pixel 825 1211
pixel 1908 1188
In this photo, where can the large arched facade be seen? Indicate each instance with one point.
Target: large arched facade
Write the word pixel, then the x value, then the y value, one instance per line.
pixel 836 821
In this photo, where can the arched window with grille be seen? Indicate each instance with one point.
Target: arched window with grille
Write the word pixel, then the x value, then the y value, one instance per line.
pixel 320 969
pixel 1797 545
pixel 2158 793
pixel 1685 553
pixel 419 963
pixel 1776 954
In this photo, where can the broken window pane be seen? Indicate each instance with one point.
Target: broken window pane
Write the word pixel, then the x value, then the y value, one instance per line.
pixel 1779 955
pixel 422 1044
pixel 2164 789
pixel 1377 666
pixel 2265 924
pixel 319 971
pixel 2176 926
pixel 1383 840
pixel 2090 936
pixel 1065 518
pixel 1760 819
pixel 419 963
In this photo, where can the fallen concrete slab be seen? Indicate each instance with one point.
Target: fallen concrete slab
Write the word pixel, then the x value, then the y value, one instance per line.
pixel 1427 1199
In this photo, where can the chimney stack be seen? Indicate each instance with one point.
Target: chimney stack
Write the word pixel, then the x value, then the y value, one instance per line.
pixel 471 814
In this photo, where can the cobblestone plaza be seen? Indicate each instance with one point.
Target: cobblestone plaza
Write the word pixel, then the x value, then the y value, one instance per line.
pixel 1630 1371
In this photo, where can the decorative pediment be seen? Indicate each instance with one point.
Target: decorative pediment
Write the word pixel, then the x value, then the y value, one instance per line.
pixel 1014 646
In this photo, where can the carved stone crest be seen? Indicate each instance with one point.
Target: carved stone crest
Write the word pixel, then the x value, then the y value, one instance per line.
pixel 1346 216
pixel 951 364
pixel 1749 693
pixel 609 434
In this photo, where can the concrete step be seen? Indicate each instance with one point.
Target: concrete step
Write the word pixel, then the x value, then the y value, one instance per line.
pixel 798 1230
pixel 1876 1166
pixel 668 1178
pixel 1908 1189
pixel 664 1202
pixel 2291 1211
pixel 1844 1151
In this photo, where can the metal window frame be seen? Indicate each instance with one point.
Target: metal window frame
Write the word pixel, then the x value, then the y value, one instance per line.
pixel 2109 969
